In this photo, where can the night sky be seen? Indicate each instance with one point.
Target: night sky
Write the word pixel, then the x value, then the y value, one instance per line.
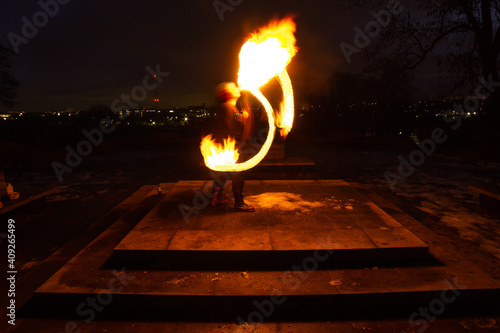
pixel 92 51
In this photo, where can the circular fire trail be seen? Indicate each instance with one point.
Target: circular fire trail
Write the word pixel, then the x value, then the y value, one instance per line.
pixel 265 55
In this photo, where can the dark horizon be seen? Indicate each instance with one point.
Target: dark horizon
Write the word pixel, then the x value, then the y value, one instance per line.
pixel 89 54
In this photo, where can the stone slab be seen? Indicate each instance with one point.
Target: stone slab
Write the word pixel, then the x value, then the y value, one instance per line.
pixel 290 217
pixel 307 285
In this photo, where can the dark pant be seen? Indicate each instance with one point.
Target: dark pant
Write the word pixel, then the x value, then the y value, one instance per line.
pixel 238 180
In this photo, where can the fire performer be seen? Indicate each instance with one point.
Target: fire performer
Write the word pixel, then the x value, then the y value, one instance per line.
pixel 236 124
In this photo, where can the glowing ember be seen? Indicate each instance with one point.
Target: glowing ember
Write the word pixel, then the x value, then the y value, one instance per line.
pixel 264 56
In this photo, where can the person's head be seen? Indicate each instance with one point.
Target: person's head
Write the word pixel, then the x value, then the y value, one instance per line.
pixel 227 91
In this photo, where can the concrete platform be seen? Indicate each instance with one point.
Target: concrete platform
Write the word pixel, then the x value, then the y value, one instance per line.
pixel 293 219
pixel 310 288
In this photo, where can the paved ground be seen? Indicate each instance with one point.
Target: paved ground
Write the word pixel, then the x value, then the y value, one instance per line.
pixel 103 181
pixel 445 325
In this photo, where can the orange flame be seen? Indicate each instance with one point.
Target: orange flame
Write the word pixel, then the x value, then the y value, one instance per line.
pixel 217 155
pixel 280 121
pixel 265 55
pixel 284 118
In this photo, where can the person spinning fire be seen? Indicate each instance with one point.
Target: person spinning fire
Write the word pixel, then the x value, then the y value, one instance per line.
pixel 235 124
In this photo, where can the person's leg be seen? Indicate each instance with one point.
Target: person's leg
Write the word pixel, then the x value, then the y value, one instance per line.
pixel 220 179
pixel 238 181
pixel 237 184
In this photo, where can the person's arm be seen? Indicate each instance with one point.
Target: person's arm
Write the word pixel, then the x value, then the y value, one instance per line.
pixel 227 116
pixel 247 124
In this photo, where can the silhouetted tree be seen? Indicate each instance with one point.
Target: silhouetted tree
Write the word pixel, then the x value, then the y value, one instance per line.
pixel 389 83
pixel 8 84
pixel 373 99
pixel 350 88
pixel 462 35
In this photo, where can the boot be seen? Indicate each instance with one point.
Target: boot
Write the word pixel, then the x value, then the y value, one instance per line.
pixel 243 207
pixel 217 200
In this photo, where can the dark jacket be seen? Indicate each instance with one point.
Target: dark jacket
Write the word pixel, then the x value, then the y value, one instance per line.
pixel 229 123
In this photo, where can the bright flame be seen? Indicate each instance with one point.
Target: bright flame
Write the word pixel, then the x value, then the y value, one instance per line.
pixel 219 163
pixel 284 118
pixel 217 155
pixel 265 55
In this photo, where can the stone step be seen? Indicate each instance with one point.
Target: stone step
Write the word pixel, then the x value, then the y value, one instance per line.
pixel 295 294
pixel 294 220
pixel 90 285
